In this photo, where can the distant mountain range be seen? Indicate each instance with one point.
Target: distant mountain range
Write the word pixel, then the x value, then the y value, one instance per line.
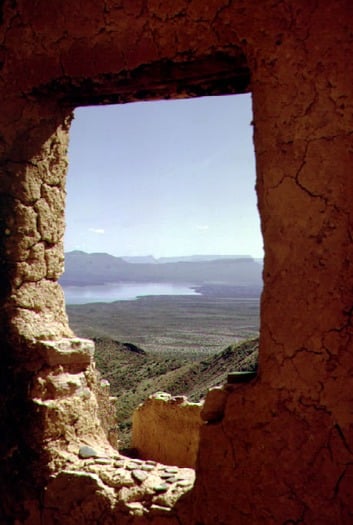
pixel 184 258
pixel 98 268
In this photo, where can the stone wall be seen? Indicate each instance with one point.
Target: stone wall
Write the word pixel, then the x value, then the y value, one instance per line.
pixel 107 410
pixel 281 451
pixel 167 429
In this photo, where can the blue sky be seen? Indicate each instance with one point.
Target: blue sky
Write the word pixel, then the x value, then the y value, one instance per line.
pixel 167 178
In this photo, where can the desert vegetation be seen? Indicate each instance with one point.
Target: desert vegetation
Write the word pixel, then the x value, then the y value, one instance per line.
pixel 181 345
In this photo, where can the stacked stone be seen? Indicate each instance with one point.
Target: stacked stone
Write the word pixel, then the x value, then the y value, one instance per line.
pixel 129 487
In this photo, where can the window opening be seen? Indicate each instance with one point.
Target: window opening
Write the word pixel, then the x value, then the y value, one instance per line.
pixel 161 207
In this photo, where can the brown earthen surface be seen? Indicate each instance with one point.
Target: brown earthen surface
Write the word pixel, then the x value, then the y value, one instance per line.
pixel 107 410
pixel 281 450
pixel 167 429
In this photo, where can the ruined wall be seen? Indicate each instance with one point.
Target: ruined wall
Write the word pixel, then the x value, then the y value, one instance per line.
pixel 285 442
pixel 281 451
pixel 107 410
pixel 167 429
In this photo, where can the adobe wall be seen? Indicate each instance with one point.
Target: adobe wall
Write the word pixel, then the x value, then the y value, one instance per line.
pixel 167 429
pixel 281 451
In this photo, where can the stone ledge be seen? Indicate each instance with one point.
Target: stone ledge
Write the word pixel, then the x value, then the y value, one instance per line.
pixel 117 487
pixel 66 351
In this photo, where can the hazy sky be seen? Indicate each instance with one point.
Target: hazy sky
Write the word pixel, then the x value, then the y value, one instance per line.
pixel 163 178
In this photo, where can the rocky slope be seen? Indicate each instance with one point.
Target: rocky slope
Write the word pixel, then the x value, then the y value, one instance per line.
pixel 135 374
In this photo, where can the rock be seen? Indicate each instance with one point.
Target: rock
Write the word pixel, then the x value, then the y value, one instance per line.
pixel 171 480
pixel 116 478
pixel 213 409
pixel 103 461
pixel 179 400
pixel 86 452
pixel 171 470
pixel 139 475
pixel 66 351
pixel 184 483
pixel 68 488
pixel 148 468
pixel 163 487
pixel 240 377
pixel 131 465
pixel 160 508
pixel 164 475
pixel 135 508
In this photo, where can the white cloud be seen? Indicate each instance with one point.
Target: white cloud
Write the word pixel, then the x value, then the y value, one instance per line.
pixel 99 231
pixel 202 227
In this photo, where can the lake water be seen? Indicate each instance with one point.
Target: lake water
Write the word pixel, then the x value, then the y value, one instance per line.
pixel 107 293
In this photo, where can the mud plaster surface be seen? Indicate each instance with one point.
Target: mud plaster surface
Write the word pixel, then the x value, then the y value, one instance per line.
pixel 282 452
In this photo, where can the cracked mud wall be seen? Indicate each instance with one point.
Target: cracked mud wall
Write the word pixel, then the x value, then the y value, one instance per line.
pixel 285 444
pixel 46 400
pixel 283 451
pixel 51 60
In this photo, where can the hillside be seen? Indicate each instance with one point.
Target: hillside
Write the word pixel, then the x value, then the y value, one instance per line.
pixel 135 374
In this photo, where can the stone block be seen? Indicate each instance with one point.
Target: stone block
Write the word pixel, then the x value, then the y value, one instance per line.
pixel 66 351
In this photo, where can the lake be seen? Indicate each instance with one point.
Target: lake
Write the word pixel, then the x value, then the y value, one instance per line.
pixel 110 292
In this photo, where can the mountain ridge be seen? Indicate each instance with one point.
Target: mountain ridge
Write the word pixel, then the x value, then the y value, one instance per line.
pixel 83 268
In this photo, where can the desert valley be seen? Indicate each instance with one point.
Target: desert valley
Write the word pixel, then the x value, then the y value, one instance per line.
pixel 193 321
